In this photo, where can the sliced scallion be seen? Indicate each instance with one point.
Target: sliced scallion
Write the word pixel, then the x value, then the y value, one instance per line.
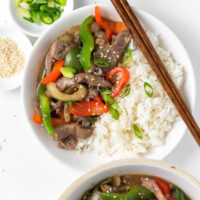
pixel 68 72
pixel 114 112
pixel 137 131
pixel 70 105
pixel 148 89
pixel 78 104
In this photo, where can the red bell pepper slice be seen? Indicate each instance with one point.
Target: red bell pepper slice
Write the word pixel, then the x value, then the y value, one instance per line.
pixel 171 199
pixel 89 108
pixel 109 26
pixel 121 81
pixel 55 72
pixel 163 186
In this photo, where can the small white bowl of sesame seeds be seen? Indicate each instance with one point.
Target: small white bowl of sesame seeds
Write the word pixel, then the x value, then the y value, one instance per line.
pixel 15 48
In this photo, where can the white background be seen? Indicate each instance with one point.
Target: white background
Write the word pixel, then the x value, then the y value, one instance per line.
pixel 28 172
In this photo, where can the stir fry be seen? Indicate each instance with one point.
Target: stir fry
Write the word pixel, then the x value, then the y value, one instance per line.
pixel 134 187
pixel 82 78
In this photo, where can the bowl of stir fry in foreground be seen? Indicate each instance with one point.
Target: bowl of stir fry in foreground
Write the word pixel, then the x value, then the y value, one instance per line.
pixel 35 16
pixel 134 179
pixel 90 96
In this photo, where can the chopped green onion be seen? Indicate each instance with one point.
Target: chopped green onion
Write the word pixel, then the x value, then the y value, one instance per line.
pixel 128 57
pixel 111 103
pixel 17 2
pixel 114 112
pixel 179 194
pixel 126 111
pixel 68 72
pixel 70 105
pixel 137 131
pixel 147 87
pixel 77 103
pixel 61 2
pixel 127 91
pixel 28 19
pixel 101 63
pixel 24 12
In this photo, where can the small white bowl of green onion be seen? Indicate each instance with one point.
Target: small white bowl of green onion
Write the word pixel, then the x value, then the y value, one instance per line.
pixel 34 16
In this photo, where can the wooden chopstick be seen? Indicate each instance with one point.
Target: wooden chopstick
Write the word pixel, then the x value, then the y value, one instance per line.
pixel 156 64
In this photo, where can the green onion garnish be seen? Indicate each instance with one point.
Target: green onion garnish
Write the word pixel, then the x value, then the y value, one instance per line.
pixel 77 103
pixel 70 105
pixel 148 87
pixel 137 131
pixel 127 91
pixel 111 103
pixel 114 112
pixel 128 57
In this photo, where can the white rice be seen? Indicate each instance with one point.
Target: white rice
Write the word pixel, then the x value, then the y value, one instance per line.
pixel 115 139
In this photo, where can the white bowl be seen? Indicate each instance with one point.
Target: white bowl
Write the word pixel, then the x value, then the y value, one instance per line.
pixel 135 166
pixel 25 45
pixel 88 160
pixel 31 28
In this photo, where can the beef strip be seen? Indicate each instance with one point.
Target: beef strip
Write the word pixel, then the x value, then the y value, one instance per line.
pixel 90 79
pixel 71 130
pixel 69 142
pixel 151 185
pixel 92 93
pixel 130 180
pixel 57 106
pixel 58 51
pixel 36 107
pixel 117 49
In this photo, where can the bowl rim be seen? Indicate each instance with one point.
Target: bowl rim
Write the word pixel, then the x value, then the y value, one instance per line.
pixel 26 40
pixel 123 163
pixel 45 33
pixel 26 31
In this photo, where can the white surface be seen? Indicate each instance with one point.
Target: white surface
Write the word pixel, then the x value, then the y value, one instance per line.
pixel 27 171
pixel 168 40
pixel 151 167
pixel 25 45
pixel 31 28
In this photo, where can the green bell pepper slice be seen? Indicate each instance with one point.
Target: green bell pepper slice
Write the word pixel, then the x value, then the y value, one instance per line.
pixel 45 110
pixel 72 59
pixel 136 193
pixel 88 43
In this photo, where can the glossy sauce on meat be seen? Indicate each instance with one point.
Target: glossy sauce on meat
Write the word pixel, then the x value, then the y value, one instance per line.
pixel 121 187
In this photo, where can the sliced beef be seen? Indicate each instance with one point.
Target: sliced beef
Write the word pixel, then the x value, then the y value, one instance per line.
pixel 102 45
pixel 118 46
pixel 65 130
pixel 57 106
pixel 151 185
pixel 69 142
pixel 92 93
pixel 73 131
pixel 130 180
pixel 58 51
pixel 36 107
pixel 90 79
pixel 82 132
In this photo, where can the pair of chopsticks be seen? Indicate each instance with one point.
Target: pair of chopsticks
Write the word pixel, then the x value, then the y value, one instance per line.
pixel 142 40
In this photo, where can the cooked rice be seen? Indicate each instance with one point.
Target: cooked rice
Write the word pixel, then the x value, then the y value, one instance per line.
pixel 155 116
